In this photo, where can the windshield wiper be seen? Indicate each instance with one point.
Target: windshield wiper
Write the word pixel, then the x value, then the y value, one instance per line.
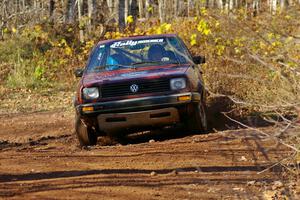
pixel 110 65
pixel 174 62
pixel 145 62
pixel 155 62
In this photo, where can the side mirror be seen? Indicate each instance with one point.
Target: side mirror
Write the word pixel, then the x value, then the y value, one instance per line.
pixel 78 72
pixel 199 59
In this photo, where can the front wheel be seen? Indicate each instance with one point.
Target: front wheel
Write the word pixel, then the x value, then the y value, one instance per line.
pixel 197 121
pixel 86 136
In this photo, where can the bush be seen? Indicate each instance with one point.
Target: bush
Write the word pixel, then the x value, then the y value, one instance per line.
pixel 254 60
pixel 40 56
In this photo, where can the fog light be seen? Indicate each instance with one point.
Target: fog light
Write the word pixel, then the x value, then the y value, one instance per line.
pixel 184 98
pixel 88 109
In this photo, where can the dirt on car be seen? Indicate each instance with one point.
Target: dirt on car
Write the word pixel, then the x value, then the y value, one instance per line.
pixel 40 159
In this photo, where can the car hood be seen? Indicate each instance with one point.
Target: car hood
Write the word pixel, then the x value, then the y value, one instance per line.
pixel 133 74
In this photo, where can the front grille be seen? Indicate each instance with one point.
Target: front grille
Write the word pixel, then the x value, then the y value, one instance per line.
pixel 144 86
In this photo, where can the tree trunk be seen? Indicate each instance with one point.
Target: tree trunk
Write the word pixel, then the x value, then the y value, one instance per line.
pixel 161 11
pixel 256 8
pixel 51 9
pixel 220 4
pixel 176 8
pixel 189 5
pixel 34 8
pixel 115 10
pixel 90 14
pixel 166 10
pixel 23 4
pixel 126 9
pixel 283 4
pixel 70 10
pixel 141 8
pixel 110 5
pixel 133 9
pixel 207 3
pixel 290 2
pixel 147 6
pixel 79 6
pixel 273 6
pixel 230 4
pixel 226 7
pixel 121 14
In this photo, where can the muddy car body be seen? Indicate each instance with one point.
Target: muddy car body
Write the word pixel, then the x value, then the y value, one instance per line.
pixel 139 83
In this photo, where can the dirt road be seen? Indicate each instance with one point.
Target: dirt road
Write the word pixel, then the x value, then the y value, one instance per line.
pixel 40 159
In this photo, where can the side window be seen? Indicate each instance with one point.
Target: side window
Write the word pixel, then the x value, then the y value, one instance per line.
pixel 180 51
pixel 97 58
pixel 174 43
pixel 185 49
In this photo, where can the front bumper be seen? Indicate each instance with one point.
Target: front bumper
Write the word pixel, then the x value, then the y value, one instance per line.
pixel 137 104
pixel 129 120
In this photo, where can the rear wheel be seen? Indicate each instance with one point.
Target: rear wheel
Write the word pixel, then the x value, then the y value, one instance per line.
pixel 197 121
pixel 86 135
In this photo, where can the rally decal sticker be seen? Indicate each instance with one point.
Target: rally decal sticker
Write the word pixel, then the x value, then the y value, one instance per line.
pixel 133 43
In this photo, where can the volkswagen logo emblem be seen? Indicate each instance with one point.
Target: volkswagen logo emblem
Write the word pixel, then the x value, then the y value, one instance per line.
pixel 134 88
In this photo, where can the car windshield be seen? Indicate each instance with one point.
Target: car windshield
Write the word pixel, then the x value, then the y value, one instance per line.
pixel 135 53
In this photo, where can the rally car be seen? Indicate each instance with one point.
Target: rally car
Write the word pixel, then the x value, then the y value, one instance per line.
pixel 139 83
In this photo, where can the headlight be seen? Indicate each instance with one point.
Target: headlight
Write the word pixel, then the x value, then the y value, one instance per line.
pixel 178 83
pixel 90 93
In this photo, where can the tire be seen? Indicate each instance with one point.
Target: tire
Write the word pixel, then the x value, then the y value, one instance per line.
pixel 196 122
pixel 85 135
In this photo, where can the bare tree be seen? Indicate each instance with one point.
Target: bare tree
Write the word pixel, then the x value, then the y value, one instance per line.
pixel 176 7
pixel 147 7
pixel 220 4
pixel 283 4
pixel 19 12
pixel 133 9
pixel 51 9
pixel 90 13
pixel 79 6
pixel 255 7
pixel 120 14
pixel 141 8
pixel 189 6
pixel 161 11
pixel 110 5
pixel 70 11
pixel 126 7
pixel 273 6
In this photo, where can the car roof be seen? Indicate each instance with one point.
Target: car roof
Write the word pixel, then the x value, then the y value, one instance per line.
pixel 137 37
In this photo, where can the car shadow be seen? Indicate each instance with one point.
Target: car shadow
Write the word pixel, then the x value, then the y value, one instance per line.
pixel 63 180
pixel 77 173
